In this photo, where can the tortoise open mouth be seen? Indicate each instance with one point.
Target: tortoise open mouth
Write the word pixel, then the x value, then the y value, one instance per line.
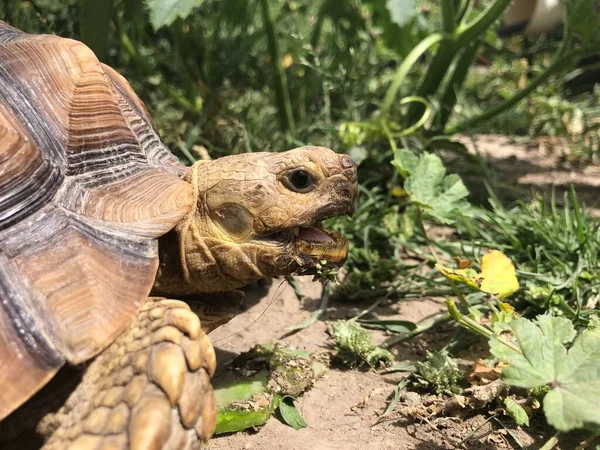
pixel 317 242
pixel 313 246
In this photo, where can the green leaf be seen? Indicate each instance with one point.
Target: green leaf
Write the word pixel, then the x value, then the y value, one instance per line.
pixel 573 403
pixel 394 400
pixel 582 19
pixel 164 12
pixel 516 411
pixel 401 11
pixel 405 162
pixel 540 357
pixel 94 23
pixel 401 26
pixel 290 414
pixel 242 390
pixel 426 179
pixel 439 195
pixel 231 420
pixel 394 326
pixel 540 352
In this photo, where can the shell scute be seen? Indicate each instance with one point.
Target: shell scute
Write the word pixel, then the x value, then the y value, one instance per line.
pixel 86 187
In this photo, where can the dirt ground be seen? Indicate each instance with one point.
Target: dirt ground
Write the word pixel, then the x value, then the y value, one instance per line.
pixel 343 407
pixel 518 166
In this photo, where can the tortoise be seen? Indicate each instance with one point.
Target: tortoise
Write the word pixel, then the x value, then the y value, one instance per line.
pixel 111 249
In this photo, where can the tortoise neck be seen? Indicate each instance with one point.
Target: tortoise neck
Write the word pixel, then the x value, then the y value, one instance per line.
pixel 203 264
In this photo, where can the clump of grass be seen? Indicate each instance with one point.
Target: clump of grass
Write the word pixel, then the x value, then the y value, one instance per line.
pixel 554 248
pixel 438 373
pixel 354 345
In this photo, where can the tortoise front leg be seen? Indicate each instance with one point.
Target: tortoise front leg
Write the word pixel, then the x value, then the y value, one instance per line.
pixel 149 390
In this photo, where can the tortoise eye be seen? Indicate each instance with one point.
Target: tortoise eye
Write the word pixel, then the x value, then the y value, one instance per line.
pixel 300 180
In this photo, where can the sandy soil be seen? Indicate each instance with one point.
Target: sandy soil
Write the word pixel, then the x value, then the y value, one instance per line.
pixel 342 408
pixel 521 165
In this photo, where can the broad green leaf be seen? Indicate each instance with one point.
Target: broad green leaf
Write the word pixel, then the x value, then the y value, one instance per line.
pixel 164 12
pixel 290 414
pixel 498 275
pixel 575 400
pixel 516 411
pixel 423 184
pixel 401 11
pixel 405 162
pixel 541 358
pixel 439 196
pixel 539 354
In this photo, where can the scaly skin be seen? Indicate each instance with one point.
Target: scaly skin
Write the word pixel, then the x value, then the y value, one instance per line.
pixel 150 389
pixel 240 199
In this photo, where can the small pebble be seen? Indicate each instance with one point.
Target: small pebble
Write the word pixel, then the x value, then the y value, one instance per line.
pixel 411 398
pixel 353 312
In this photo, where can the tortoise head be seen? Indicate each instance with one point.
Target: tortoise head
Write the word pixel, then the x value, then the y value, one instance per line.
pixel 259 215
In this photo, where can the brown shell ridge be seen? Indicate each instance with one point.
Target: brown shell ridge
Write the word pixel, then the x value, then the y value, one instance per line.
pixel 140 123
pixel 115 177
pixel 25 100
pixel 9 34
pixel 27 181
pixel 28 359
pixel 91 281
pixel 24 325
pixel 86 186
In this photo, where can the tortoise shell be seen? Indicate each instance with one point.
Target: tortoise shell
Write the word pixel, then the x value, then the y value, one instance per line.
pixel 86 187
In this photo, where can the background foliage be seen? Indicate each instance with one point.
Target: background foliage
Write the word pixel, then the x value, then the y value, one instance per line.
pixel 389 82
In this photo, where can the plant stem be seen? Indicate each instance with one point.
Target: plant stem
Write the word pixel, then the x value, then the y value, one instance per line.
pixel 448 16
pixel 560 60
pixel 454 85
pixel 550 443
pixel 476 327
pixel 435 321
pixel 467 33
pixel 467 322
pixel 587 442
pixel 94 24
pixel 421 224
pixel 403 70
pixel 437 70
pixel 462 37
pixel 148 71
pixel 282 92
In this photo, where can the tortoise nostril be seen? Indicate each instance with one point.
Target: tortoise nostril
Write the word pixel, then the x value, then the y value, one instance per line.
pixel 347 162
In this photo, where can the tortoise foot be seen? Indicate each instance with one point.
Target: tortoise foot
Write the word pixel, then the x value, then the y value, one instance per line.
pixel 149 390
